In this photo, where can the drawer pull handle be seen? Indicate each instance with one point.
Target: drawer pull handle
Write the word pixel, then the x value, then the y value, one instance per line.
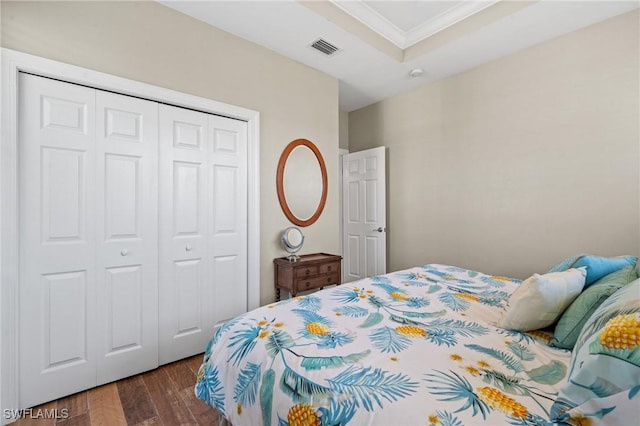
pixel 328 268
pixel 328 279
pixel 188 247
pixel 124 252
pixel 308 284
pixel 307 272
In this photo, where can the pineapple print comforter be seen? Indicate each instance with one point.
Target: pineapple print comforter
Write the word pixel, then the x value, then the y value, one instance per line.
pixel 415 347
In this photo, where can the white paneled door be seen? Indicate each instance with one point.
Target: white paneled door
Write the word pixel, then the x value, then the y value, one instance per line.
pixel 88 229
pixel 58 351
pixel 133 234
pixel 203 227
pixel 126 147
pixel 364 214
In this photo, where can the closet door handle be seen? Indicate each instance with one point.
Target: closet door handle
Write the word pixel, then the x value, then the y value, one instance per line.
pixel 124 252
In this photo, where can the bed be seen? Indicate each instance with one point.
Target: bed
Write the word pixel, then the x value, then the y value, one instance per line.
pixel 414 347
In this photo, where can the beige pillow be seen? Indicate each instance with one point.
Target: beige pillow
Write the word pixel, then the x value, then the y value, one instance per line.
pixel 540 300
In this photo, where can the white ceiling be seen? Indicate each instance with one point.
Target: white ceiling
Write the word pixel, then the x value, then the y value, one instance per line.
pixel 367 70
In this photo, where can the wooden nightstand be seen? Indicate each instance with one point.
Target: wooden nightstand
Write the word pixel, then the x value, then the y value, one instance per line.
pixel 312 271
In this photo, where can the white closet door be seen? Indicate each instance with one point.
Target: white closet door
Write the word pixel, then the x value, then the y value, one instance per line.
pixel 186 321
pixel 228 218
pixel 57 239
pixel 127 235
pixel 203 227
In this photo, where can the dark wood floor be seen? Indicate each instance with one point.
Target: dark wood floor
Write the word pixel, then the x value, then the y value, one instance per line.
pixel 160 397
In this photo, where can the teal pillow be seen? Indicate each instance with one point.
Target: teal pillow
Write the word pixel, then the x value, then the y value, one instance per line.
pixel 597 266
pixel 576 315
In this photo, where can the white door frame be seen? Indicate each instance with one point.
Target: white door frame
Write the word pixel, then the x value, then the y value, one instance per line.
pixel 14 62
pixel 341 153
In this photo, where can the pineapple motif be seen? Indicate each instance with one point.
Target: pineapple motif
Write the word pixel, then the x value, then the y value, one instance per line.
pixel 399 296
pixel 471 297
pixel 471 369
pixel 621 332
pixel 539 335
pixel 411 331
pixel 302 415
pixel 497 400
pixel 579 420
pixel 317 328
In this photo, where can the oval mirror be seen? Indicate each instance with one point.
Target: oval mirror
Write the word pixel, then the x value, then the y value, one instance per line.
pixel 302 182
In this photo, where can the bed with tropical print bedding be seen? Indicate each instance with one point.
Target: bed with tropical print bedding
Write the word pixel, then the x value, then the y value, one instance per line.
pixel 415 347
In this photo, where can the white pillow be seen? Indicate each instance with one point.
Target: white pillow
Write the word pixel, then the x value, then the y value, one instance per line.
pixel 540 300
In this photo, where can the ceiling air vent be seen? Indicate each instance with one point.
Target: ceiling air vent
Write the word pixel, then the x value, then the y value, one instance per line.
pixel 324 47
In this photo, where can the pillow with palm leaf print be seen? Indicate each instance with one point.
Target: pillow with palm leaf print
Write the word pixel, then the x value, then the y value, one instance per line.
pixel 604 377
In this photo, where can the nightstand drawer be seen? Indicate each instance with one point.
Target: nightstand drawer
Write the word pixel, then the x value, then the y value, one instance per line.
pixel 327 268
pixel 307 271
pixel 304 285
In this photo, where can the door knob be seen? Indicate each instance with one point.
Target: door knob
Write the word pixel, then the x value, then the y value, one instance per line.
pixel 379 229
pixel 124 252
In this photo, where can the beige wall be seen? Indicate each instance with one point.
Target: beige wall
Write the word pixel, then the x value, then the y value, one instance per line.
pixel 148 42
pixel 511 166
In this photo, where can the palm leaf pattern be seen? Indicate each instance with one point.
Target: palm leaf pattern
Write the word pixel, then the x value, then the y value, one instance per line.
pixel 459 327
pixel 243 341
pixel 351 311
pixel 346 294
pixel 333 340
pixel 453 302
pixel 408 276
pixel 453 387
pixel 386 339
pixel 417 344
pixel 320 362
pixel 372 385
pixel 521 351
pixel 311 303
pixel 312 316
pixel 210 389
pixel 278 341
pixel 380 279
pixel 223 329
pixel 247 387
pixel 299 387
pixel 445 418
pixel 508 360
pixel 514 334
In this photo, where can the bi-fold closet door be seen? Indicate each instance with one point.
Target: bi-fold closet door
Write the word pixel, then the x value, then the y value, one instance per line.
pixel 203 231
pixel 111 284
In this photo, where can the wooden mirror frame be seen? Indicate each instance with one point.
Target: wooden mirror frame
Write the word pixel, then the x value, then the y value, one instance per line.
pixel 280 182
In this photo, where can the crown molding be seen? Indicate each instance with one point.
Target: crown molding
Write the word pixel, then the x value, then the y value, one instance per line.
pixel 404 39
pixel 445 20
